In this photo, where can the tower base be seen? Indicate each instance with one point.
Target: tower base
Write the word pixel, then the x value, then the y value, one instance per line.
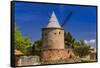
pixel 56 55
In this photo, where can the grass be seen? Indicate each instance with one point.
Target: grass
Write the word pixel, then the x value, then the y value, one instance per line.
pixel 88 60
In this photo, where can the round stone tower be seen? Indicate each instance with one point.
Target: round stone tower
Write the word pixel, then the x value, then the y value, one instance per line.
pixel 53 35
pixel 53 43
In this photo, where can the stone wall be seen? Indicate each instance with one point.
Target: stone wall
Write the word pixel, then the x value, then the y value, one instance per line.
pixel 56 54
pixel 53 38
pixel 28 60
pixel 50 56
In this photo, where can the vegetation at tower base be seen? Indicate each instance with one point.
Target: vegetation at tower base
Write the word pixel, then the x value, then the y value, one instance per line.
pixel 36 47
pixel 69 40
pixel 22 43
pixel 80 48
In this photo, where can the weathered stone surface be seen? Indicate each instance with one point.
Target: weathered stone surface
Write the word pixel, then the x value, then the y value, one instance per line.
pixel 56 54
pixel 53 38
pixel 28 60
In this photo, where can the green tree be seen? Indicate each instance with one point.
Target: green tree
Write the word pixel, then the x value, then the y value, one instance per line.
pixel 81 49
pixel 21 42
pixel 68 38
pixel 36 47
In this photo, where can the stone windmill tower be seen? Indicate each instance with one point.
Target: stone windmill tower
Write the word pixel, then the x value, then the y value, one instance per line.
pixel 53 42
pixel 53 34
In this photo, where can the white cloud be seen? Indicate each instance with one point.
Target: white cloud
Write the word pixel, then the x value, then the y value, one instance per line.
pixel 91 42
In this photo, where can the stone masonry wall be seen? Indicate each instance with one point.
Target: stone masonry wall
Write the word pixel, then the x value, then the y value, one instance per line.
pixel 56 54
pixel 28 60
pixel 53 38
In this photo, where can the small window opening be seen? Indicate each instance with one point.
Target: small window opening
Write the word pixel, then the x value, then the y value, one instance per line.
pixel 45 34
pixel 55 33
pixel 59 32
pixel 70 56
pixel 68 51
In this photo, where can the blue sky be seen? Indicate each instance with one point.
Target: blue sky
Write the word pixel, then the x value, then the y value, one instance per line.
pixel 31 17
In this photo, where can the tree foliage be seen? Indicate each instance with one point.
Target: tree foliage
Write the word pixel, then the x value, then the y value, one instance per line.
pixel 21 42
pixel 69 40
pixel 36 47
pixel 80 48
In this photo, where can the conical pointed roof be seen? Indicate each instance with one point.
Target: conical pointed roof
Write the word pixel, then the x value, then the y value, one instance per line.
pixel 53 22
